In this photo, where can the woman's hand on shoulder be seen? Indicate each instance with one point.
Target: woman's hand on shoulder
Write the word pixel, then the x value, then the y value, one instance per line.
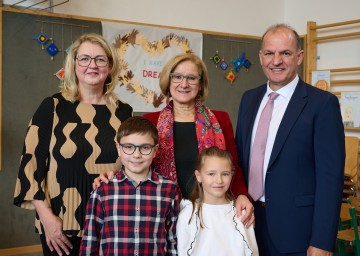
pixel 103 177
pixel 243 203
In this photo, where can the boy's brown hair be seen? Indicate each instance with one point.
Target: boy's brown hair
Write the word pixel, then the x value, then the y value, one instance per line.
pixel 137 124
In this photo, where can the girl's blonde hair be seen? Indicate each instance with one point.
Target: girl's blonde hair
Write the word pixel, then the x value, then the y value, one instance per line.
pixel 69 87
pixel 197 195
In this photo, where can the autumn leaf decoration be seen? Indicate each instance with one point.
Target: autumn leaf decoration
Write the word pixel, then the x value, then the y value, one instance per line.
pixel 154 49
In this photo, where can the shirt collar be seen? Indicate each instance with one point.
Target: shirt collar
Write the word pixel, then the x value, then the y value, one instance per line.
pixel 287 90
pixel 152 176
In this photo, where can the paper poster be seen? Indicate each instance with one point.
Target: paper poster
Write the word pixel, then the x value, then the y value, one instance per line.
pixel 321 79
pixel 350 108
pixel 143 51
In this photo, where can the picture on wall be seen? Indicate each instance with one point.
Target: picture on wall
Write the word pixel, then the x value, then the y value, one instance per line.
pixel 143 51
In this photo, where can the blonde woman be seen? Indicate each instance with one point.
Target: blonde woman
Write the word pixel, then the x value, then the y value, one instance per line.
pixel 70 140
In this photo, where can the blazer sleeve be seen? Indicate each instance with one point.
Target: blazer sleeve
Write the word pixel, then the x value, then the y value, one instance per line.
pixel 238 185
pixel 329 143
pixel 152 116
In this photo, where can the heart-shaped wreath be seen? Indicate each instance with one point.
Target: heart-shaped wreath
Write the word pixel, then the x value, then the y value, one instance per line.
pixel 155 48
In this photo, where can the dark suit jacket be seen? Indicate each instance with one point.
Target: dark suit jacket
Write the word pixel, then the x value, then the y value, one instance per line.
pixel 304 179
pixel 238 184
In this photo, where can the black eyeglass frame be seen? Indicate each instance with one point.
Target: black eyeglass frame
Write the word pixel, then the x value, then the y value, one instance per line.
pixel 137 146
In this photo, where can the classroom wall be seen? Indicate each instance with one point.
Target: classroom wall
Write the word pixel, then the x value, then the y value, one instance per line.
pixel 321 11
pixel 230 16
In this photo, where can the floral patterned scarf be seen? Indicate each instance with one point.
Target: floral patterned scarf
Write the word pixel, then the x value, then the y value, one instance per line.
pixel 208 133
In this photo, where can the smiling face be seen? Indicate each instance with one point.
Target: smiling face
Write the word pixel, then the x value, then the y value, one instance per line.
pixel 215 177
pixel 184 93
pixel 136 165
pixel 91 77
pixel 280 57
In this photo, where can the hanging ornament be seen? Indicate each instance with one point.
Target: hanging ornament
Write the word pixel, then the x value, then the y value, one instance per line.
pixel 223 65
pixel 52 50
pixel 216 58
pixel 231 76
pixel 239 62
pixel 247 64
pixel 41 38
pixel 60 74
pixel 67 50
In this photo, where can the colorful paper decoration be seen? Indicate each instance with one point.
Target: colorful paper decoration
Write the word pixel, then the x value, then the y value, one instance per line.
pixel 60 74
pixel 247 64
pixel 223 65
pixel 42 39
pixel 216 58
pixel 239 62
pixel 231 76
pixel 52 50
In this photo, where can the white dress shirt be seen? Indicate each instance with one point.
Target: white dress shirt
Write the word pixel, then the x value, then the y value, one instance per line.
pixel 280 105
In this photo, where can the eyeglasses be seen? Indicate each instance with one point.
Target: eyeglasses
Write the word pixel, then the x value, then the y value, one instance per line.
pixel 190 79
pixel 144 149
pixel 85 60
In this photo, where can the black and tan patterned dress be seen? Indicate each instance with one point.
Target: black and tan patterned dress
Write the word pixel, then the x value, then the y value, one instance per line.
pixel 66 146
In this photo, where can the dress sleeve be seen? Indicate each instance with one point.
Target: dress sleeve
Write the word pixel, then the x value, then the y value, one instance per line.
pixel 31 180
pixel 183 230
pixel 238 185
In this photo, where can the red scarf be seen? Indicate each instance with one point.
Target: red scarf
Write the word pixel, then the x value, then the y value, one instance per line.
pixel 208 133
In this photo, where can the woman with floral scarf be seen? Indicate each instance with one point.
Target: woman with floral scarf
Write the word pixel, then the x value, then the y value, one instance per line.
pixel 186 126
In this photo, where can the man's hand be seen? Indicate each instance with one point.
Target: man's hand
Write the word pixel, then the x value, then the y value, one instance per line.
pixel 243 203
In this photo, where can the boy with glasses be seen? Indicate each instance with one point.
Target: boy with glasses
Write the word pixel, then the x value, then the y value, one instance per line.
pixel 136 212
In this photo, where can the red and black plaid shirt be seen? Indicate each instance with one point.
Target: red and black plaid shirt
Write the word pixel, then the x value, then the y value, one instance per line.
pixel 125 218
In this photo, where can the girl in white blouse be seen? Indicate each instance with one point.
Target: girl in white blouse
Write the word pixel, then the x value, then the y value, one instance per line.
pixel 209 225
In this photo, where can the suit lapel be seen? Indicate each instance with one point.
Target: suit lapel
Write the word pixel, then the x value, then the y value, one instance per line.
pixel 292 113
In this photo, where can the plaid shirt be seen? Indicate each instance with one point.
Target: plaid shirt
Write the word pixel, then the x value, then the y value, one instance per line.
pixel 125 218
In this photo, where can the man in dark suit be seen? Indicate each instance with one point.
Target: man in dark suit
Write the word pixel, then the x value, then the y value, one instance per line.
pixel 298 211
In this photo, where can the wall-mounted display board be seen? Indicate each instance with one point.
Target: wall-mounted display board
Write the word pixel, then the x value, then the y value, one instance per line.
pixel 344 81
pixel 28 75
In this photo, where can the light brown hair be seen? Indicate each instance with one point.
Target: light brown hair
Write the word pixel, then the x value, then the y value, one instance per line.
pixel 197 195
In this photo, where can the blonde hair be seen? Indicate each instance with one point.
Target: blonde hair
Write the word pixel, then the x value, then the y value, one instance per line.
pixel 172 64
pixel 197 194
pixel 69 88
